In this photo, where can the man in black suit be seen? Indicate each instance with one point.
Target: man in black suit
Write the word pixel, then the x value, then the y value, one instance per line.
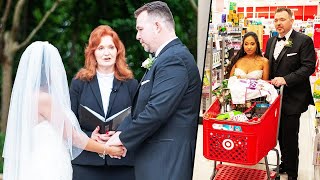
pixel 164 118
pixel 292 60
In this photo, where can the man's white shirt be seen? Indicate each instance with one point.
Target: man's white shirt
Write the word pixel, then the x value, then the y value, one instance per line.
pixel 163 45
pixel 280 45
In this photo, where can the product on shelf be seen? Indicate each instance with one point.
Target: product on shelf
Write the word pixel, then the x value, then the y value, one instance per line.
pixel 316 94
pixel 316 152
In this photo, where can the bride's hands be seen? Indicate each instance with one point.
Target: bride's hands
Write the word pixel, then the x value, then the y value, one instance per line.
pixel 101 138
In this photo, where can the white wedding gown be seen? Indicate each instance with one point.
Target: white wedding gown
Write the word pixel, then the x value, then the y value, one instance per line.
pixel 256 74
pixel 50 157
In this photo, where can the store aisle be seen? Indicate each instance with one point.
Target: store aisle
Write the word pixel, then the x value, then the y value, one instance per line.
pixel 306 138
pixel 203 167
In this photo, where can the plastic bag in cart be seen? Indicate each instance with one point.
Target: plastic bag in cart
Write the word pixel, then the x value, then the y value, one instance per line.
pixel 246 89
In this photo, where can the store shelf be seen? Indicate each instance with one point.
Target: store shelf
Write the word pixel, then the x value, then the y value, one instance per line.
pixel 216 65
pixel 234 32
pixel 216 86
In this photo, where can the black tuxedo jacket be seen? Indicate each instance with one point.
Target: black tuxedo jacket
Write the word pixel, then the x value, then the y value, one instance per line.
pixel 88 94
pixel 164 123
pixel 295 64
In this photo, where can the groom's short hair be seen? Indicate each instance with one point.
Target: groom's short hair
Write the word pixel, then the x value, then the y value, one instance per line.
pixel 285 9
pixel 157 9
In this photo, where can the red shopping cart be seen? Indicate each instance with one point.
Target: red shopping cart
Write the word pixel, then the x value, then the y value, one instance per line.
pixel 248 147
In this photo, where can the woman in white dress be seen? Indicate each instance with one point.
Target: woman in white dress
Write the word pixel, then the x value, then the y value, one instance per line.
pixel 249 63
pixel 43 134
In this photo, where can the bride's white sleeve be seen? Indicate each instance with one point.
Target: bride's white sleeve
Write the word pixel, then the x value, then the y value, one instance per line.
pixel 75 139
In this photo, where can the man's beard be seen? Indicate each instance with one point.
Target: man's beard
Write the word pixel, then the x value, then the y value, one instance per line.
pixel 146 47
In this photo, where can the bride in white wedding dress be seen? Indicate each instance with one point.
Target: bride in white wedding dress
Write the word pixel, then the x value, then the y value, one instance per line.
pixel 46 139
pixel 249 63
pixel 255 74
pixel 43 135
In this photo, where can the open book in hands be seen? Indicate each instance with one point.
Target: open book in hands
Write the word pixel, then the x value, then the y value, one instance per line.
pixel 90 119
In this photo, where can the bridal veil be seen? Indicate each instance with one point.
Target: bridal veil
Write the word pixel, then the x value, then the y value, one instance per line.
pixel 40 95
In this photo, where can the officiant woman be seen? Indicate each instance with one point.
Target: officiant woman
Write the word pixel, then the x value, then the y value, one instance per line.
pixel 106 85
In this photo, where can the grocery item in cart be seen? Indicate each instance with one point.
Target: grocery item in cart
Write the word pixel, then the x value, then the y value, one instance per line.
pixel 228 115
pixel 260 108
pixel 246 89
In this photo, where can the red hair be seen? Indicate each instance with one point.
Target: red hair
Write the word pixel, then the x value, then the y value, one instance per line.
pixel 121 69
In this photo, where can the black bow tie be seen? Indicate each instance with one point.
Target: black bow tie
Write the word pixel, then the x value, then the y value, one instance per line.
pixel 283 38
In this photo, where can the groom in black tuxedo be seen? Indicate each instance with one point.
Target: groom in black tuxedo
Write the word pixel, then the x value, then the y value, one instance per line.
pixel 292 60
pixel 164 118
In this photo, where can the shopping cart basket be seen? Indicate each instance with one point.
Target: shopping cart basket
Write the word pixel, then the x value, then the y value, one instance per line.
pixel 247 147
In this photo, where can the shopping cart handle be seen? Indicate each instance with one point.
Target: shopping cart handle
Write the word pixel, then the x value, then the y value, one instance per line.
pixel 281 91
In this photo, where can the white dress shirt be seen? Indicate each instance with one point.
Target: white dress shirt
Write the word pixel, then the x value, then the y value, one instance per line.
pixel 163 45
pixel 280 44
pixel 105 82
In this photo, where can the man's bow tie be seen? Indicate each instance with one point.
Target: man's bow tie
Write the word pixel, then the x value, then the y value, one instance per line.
pixel 283 38
pixel 153 54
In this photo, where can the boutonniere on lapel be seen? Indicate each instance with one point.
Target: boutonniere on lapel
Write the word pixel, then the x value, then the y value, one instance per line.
pixel 148 62
pixel 288 43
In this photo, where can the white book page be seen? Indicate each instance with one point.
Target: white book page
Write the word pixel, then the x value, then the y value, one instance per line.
pixel 115 115
pixel 95 113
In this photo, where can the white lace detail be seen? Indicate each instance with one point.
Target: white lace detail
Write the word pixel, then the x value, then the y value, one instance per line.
pixel 256 74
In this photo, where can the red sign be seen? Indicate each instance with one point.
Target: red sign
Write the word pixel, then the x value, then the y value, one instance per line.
pixel 316 36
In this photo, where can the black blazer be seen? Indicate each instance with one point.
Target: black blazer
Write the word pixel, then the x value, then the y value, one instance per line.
pixel 295 64
pixel 164 126
pixel 88 93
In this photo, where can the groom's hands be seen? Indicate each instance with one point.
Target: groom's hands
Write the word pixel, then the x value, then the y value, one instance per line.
pixel 115 141
pixel 114 146
pixel 278 81
pixel 115 151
